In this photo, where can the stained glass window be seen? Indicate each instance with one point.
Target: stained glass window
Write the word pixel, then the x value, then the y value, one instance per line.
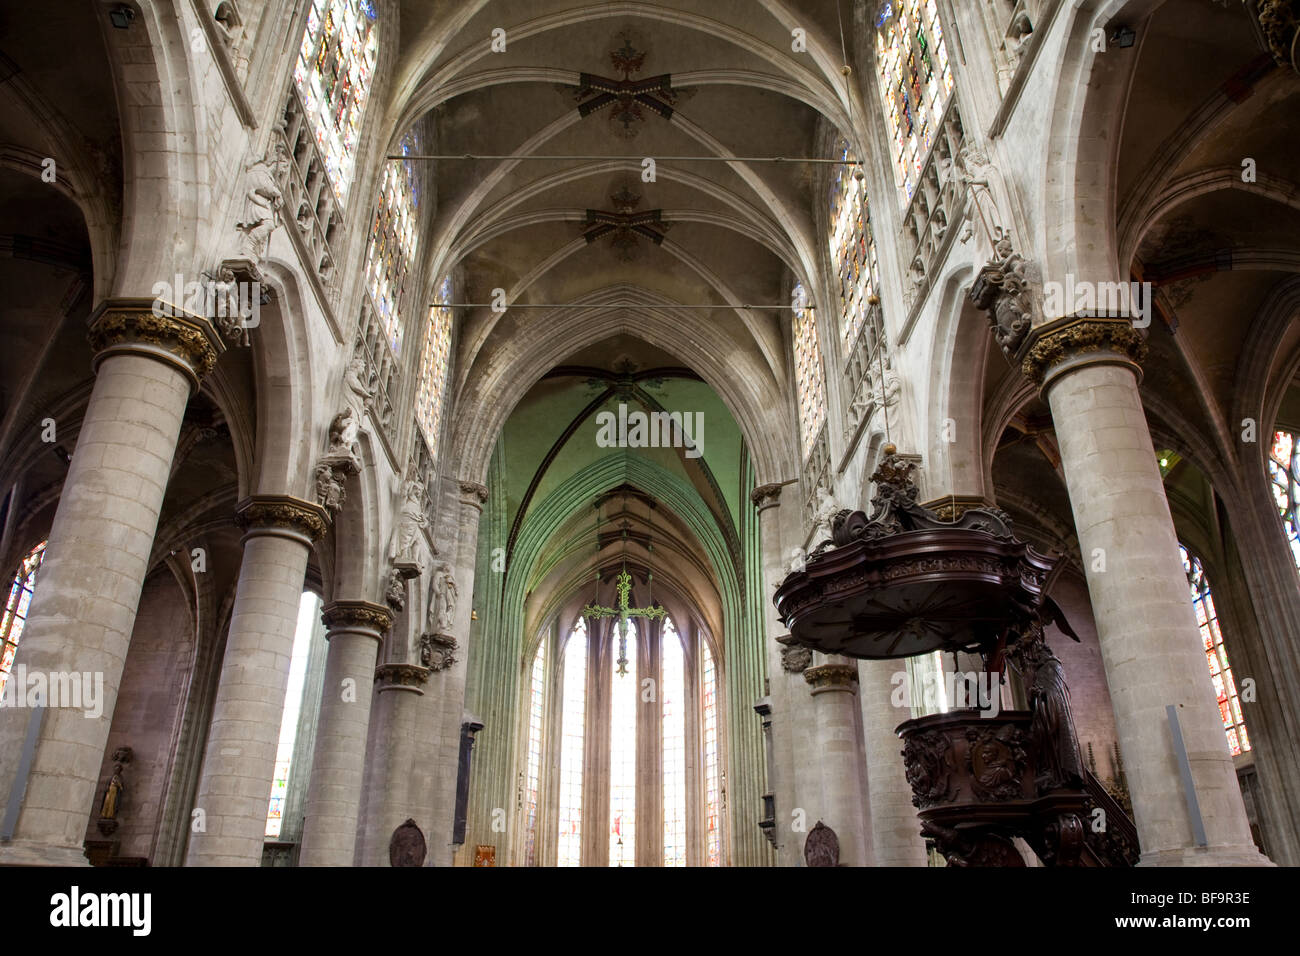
pixel 1225 686
pixel 572 740
pixel 336 64
pixel 391 249
pixel 308 611
pixel 15 614
pixel 915 81
pixel 810 380
pixel 853 247
pixel 712 792
pixel 622 755
pixel 1284 472
pixel 687 774
pixel 536 701
pixel 433 368
pixel 672 683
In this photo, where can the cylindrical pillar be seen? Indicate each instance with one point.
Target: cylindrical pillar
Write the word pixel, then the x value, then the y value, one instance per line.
pixel 392 798
pixel 1087 369
pixel 97 556
pixel 329 835
pixel 844 804
pixel 895 830
pixel 239 762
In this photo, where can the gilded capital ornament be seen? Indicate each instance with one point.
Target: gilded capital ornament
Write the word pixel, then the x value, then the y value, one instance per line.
pixel 408 677
pixel 344 614
pixel 282 512
pixel 135 325
pixel 1099 339
pixel 827 676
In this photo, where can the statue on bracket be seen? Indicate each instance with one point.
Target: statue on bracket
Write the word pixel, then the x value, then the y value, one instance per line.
pixel 361 392
pixel 330 493
pixel 442 600
pixel 823 519
pixel 395 590
pixel 404 549
pixel 262 203
pixel 1002 290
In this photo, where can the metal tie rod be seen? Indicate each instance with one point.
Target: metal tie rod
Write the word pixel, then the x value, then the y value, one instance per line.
pixel 586 306
pixel 633 159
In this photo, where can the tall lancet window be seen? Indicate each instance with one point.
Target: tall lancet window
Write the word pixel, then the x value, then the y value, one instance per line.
pixel 308 614
pixel 21 589
pixel 853 247
pixel 1284 472
pixel 809 376
pixel 622 752
pixel 672 685
pixel 572 740
pixel 393 241
pixel 712 789
pixel 915 81
pixel 434 359
pixel 1225 686
pixel 336 64
pixel 536 705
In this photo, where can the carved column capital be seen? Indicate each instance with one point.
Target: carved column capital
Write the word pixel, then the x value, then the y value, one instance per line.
pixel 766 496
pixel 407 677
pixel 474 493
pixel 339 615
pixel 1075 341
pixel 182 339
pixel 282 514
pixel 826 677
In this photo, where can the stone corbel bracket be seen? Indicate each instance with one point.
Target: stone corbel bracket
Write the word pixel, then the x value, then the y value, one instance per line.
pixel 404 677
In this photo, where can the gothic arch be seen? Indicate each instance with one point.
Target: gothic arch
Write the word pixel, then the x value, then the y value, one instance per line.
pixel 747 388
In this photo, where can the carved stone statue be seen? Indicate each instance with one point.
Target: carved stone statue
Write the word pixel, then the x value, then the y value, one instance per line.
pixel 1021 30
pixel 262 203
pixel 360 392
pixel 823 516
pixel 887 391
pixel 441 617
pixel 330 493
pixel 395 590
pixel 226 307
pixel 1002 290
pixel 410 521
pixel 344 450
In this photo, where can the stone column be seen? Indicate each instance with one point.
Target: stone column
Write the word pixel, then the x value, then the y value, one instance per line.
pixel 440 741
pixel 393 796
pixel 895 830
pixel 782 680
pixel 82 614
pixel 239 761
pixel 1087 371
pixel 844 804
pixel 356 629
